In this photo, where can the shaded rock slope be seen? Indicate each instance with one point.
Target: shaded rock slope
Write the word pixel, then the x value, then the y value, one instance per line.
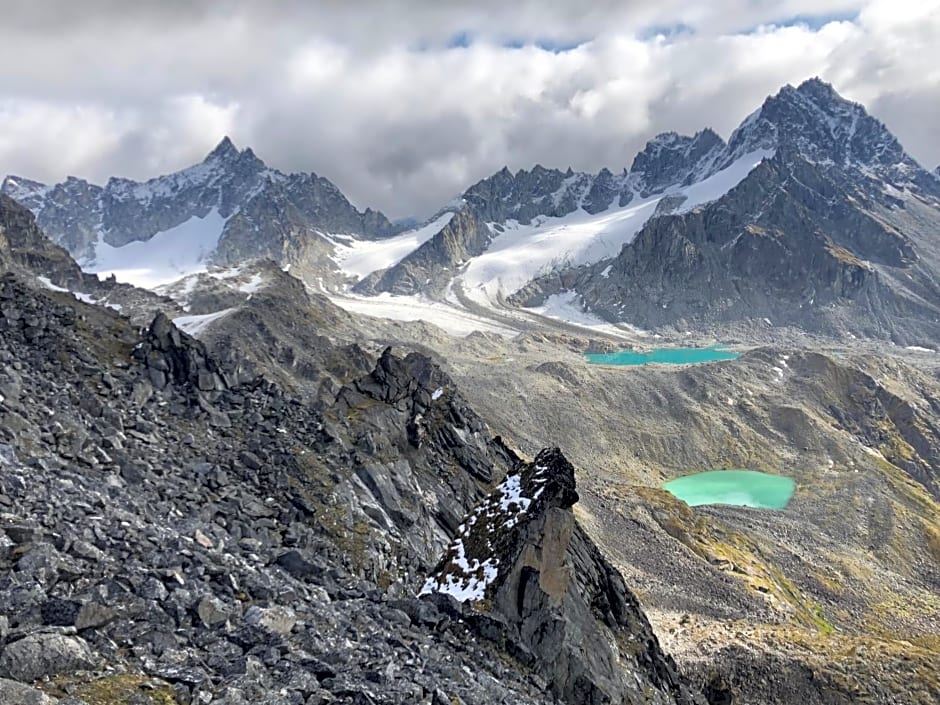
pixel 175 529
pixel 268 323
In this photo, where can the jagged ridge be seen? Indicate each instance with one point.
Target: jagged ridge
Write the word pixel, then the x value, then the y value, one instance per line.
pixel 267 212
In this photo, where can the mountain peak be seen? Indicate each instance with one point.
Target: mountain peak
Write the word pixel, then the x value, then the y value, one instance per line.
pixel 227 157
pixel 671 158
pixel 24 191
pixel 824 128
pixel 14 184
pixel 816 87
pixel 224 149
pixel 812 93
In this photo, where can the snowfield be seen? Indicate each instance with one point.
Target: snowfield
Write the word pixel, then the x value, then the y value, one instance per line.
pixel 359 258
pixel 194 325
pixel 523 252
pixel 565 307
pixel 162 259
pixel 454 320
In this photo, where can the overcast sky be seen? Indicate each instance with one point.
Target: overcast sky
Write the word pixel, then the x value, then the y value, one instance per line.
pixel 405 103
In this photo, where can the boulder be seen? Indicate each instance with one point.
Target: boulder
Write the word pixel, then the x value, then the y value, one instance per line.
pixel 40 655
pixel 277 619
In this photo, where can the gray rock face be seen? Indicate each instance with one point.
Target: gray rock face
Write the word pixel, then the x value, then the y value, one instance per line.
pixel 171 357
pixel 605 190
pixel 39 655
pixel 523 557
pixel 23 243
pixel 526 194
pixel 466 235
pixel 270 214
pixel 673 159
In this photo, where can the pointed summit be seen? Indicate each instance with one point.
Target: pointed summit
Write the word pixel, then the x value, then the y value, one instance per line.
pixel 231 160
pixel 822 127
pixel 817 88
pixel 225 149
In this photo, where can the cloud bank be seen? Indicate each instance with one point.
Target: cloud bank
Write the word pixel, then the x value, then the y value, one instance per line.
pixel 404 104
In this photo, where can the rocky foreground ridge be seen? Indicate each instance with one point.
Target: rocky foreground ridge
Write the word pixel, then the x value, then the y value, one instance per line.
pixel 174 529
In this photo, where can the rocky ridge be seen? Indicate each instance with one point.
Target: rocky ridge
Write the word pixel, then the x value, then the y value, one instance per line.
pixel 826 129
pixel 521 553
pixel 25 248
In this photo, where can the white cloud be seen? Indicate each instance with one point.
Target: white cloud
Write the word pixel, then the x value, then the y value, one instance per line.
pixel 48 138
pixel 369 94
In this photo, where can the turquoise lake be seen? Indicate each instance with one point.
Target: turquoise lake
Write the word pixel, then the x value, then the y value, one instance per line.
pixel 742 488
pixel 668 356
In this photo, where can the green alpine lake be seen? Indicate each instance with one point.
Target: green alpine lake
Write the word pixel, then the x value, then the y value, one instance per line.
pixel 742 488
pixel 668 356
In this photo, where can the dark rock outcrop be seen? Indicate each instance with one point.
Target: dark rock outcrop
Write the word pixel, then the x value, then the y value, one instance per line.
pixel 23 243
pixel 521 556
pixel 172 357
pixel 673 159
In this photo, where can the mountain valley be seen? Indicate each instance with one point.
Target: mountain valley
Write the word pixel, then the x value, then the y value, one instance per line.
pixel 260 445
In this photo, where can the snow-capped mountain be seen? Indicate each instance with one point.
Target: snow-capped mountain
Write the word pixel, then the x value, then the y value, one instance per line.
pixel 228 208
pixel 510 228
pixel 834 232
pixel 837 189
pixel 672 159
